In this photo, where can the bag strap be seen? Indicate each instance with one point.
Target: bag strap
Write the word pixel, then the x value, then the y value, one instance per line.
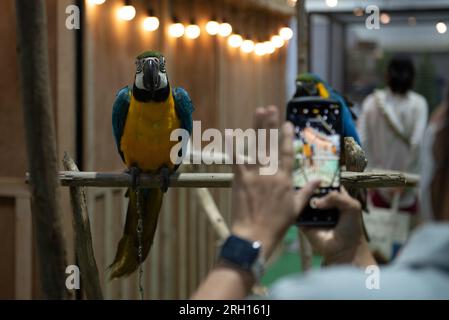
pixel 396 131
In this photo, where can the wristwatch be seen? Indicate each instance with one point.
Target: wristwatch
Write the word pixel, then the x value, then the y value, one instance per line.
pixel 243 254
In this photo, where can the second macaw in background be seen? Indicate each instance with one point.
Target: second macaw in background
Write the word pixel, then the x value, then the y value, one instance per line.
pixel 142 120
pixel 308 84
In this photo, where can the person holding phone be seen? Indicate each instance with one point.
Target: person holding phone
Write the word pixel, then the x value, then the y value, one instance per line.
pixel 264 207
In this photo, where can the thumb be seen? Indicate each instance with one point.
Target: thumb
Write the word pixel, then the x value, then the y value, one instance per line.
pixel 303 195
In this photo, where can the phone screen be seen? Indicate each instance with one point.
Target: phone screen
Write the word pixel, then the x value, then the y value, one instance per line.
pixel 317 146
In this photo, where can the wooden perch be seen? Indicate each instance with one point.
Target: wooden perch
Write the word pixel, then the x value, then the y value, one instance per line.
pixel 370 179
pixel 213 214
pixel 83 238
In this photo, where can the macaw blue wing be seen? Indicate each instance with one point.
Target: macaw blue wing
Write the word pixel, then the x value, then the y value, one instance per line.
pixel 349 128
pixel 119 114
pixel 184 108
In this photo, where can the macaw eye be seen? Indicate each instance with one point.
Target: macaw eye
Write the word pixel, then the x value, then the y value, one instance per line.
pixel 162 65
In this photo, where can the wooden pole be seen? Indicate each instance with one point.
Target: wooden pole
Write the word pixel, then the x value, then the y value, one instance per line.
pixel 83 238
pixel 214 216
pixel 305 248
pixel 37 107
pixel 303 36
pixel 369 179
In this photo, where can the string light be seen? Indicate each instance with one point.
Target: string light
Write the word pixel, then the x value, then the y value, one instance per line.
pixel 441 27
pixel 286 33
pixel 192 31
pixel 331 3
pixel 127 12
pixel 358 12
pixel 96 2
pixel 235 40
pixel 385 18
pixel 247 46
pixel 225 29
pixel 259 49
pixel 151 23
pixel 277 41
pixel 212 27
pixel 176 29
pixel 269 47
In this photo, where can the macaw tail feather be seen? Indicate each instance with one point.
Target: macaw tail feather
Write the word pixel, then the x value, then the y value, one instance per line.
pixel 126 259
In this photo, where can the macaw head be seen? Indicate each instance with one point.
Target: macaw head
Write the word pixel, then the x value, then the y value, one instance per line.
pixel 151 74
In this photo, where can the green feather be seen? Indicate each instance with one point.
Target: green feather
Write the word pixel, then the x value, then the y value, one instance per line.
pixel 149 54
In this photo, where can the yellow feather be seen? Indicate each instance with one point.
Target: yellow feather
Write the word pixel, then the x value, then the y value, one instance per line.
pixel 146 138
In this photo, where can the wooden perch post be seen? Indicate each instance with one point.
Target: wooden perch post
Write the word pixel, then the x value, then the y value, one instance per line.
pixel 83 238
pixel 213 214
pixel 370 179
pixel 32 49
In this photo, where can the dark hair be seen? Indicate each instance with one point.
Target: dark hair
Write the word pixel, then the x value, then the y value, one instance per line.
pixel 400 74
pixel 440 182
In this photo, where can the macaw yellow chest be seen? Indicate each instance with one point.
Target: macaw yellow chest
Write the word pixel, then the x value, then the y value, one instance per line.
pixel 146 138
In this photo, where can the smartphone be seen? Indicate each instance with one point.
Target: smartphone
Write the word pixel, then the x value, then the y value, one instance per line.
pixel 317 145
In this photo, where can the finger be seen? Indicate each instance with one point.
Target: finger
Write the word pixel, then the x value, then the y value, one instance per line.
pixel 338 200
pixel 237 168
pixel 344 191
pixel 272 117
pixel 259 115
pixel 286 151
pixel 302 196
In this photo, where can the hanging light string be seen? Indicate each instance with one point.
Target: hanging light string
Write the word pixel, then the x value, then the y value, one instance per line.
pixel 214 27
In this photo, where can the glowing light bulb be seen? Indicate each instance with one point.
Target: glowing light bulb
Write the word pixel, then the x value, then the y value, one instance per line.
pixel 225 29
pixel 247 46
pixel 151 23
pixel 331 3
pixel 235 40
pixel 212 27
pixel 176 30
pixel 96 2
pixel 192 31
pixel 385 18
pixel 269 47
pixel 359 12
pixel 286 33
pixel 127 12
pixel 277 41
pixel 441 27
pixel 259 49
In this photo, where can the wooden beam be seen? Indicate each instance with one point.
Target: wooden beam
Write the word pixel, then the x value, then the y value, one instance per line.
pixel 369 179
pixel 32 51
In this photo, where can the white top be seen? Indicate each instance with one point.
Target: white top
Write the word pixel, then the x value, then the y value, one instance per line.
pixel 384 147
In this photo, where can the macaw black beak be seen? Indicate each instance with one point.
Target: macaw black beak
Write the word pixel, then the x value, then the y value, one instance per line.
pixel 151 75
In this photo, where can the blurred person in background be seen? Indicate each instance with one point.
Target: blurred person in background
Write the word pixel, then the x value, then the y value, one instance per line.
pixel 391 127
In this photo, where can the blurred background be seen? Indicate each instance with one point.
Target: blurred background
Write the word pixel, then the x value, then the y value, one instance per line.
pixel 228 73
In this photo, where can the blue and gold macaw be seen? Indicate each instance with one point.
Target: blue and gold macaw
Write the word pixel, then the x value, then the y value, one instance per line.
pixel 142 120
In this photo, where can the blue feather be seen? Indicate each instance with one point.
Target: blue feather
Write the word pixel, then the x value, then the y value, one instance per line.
pixel 119 114
pixel 184 108
pixel 349 128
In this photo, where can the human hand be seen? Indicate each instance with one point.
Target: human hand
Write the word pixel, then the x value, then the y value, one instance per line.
pixel 265 206
pixel 346 242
